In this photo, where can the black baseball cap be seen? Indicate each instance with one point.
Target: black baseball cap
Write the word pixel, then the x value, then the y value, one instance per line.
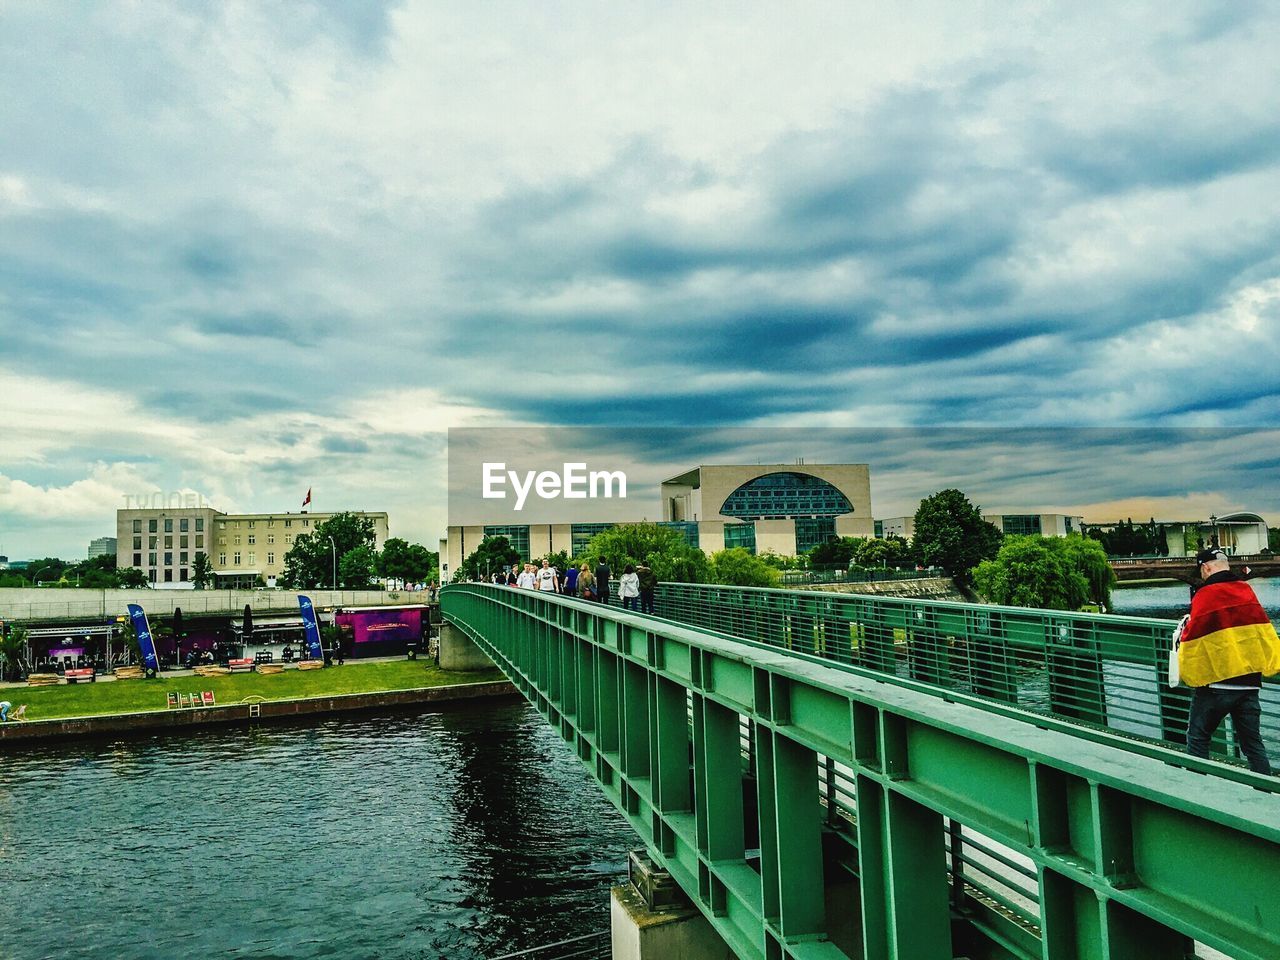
pixel 1209 555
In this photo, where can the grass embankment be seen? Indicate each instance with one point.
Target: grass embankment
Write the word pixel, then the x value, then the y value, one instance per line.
pixel 134 696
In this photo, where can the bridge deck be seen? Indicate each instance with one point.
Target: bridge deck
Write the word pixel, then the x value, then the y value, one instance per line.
pixel 817 808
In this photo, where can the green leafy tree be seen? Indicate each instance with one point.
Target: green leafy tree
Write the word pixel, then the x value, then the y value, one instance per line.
pixel 886 552
pixel 632 543
pixel 13 647
pixel 1052 573
pixel 950 533
pixel 46 569
pixel 201 570
pixel 681 563
pixel 132 577
pixel 835 553
pixel 491 555
pixel 739 567
pixel 357 567
pixel 408 562
pixel 309 562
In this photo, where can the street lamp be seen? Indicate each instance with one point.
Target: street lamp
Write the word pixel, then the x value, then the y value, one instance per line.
pixel 1213 520
pixel 35 577
pixel 334 547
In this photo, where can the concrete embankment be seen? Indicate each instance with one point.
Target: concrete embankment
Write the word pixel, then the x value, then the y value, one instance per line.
pixel 252 711
pixel 926 588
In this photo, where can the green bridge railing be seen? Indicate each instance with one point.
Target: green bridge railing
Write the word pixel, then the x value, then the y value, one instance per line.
pixel 814 809
pixel 1102 670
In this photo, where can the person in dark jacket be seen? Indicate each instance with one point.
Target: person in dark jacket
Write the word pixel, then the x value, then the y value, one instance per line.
pixel 648 586
pixel 603 573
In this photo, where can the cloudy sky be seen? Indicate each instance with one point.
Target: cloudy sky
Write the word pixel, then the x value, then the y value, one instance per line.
pixel 251 248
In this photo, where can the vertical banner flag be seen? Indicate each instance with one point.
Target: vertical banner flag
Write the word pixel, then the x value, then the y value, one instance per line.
pixel 310 628
pixel 146 645
pixel 307 498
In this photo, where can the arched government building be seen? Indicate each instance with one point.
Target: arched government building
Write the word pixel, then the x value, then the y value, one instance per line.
pixel 766 508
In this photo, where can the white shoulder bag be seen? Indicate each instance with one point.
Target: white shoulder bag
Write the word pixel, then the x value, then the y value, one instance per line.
pixel 1175 674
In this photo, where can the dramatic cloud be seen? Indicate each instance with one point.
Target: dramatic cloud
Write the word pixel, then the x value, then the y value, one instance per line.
pixel 249 248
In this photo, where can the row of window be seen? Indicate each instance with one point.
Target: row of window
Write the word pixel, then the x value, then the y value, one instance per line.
pixel 251 524
pixel 183 542
pixel 786 494
pixel 183 575
pixel 235 561
pixel 253 539
pixel 184 524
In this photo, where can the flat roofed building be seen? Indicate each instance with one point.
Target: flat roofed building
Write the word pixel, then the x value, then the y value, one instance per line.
pixel 785 509
pixel 241 547
pixel 1031 524
pixel 102 547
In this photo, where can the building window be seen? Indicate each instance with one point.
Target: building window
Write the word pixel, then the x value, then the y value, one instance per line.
pixel 153 542
pixel 271 522
pixel 137 543
pixel 237 539
pixel 168 576
pixel 168 542
pixel 288 523
pixel 236 558
pixel 306 521
pixel 199 540
pixel 580 535
pixel 182 574
pixel 740 535
pixel 517 536
pixel 222 559
pixel 168 559
pixel 686 528
pixel 783 495
pixel 137 559
pixel 168 524
pixel 1022 525
pixel 1068 524
pixel 222 524
pixel 182 557
pixel 151 559
pixel 271 558
pixel 151 526
pixel 137 526
pixel 811 532
pixel 151 575
pixel 182 541
pixel 271 538
pixel 199 524
pixel 222 541
pixel 184 525
pixel 253 558
pixel 288 538
pixel 252 539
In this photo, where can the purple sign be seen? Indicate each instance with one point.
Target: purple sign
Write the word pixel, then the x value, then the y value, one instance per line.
pixel 368 626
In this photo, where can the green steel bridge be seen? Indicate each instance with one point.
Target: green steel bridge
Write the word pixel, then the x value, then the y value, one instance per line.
pixel 832 775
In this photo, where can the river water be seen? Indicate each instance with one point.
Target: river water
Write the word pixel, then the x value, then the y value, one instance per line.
pixel 464 833
pixel 1172 600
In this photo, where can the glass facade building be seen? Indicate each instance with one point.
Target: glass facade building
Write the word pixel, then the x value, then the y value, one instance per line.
pixel 786 494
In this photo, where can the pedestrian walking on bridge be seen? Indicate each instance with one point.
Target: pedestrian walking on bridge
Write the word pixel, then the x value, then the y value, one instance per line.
pixel 1227 647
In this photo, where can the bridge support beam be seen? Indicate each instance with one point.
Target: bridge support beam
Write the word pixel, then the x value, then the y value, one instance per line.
pixel 458 652
pixel 641 933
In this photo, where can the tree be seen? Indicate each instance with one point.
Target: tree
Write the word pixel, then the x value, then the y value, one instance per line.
pixel 738 567
pixel 1052 573
pixel 408 562
pixel 633 543
pixel 885 552
pixel 681 563
pixel 309 562
pixel 13 647
pixel 132 577
pixel 951 533
pixel 201 570
pixel 357 567
pixel 491 555
pixel 835 553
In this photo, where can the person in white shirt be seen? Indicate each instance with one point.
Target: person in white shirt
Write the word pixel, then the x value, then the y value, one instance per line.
pixel 548 580
pixel 526 579
pixel 629 588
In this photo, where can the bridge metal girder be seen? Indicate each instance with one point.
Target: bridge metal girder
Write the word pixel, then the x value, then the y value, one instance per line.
pixel 1133 857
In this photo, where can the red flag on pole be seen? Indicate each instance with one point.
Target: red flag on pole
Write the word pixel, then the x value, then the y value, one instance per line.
pixel 308 499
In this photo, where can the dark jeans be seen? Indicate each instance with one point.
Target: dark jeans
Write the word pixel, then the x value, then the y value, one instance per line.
pixel 646 601
pixel 630 603
pixel 602 592
pixel 1209 706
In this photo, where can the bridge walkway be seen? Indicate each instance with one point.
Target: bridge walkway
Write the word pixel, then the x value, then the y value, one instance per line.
pixel 815 807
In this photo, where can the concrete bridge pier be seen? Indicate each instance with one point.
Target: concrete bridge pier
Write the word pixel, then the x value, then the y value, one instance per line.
pixel 458 652
pixel 640 932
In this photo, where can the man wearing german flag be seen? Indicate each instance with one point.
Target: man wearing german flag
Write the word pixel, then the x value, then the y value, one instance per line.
pixel 1227 647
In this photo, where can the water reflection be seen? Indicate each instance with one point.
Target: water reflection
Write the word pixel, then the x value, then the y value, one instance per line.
pixel 460 833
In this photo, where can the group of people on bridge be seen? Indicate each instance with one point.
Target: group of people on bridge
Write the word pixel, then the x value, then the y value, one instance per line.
pixel 637 587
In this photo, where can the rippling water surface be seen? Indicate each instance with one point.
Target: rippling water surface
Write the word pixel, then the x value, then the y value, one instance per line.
pixel 463 833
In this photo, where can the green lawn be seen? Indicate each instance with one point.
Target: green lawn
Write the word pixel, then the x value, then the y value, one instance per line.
pixel 132 696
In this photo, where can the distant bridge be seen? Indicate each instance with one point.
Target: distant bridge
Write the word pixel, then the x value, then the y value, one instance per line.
pixel 1186 570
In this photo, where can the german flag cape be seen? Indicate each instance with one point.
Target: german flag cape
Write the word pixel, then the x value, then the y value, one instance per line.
pixel 1228 635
